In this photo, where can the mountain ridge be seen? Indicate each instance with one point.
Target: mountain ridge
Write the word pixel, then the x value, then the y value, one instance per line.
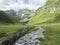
pixel 47 12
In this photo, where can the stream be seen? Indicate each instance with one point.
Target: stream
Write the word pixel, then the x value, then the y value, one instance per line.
pixel 31 38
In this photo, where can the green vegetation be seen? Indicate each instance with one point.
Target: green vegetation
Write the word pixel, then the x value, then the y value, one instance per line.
pixel 7 30
pixel 52 33
pixel 48 17
pixel 5 18
pixel 49 20
pixel 9 25
pixel 44 15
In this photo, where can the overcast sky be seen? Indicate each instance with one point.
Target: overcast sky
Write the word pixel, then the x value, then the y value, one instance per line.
pixel 21 4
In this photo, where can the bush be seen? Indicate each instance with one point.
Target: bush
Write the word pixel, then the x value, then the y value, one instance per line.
pixel 3 34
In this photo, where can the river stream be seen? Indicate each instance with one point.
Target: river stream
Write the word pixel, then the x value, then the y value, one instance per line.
pixel 31 38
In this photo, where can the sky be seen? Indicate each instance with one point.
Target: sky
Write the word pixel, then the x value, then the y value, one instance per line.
pixel 21 4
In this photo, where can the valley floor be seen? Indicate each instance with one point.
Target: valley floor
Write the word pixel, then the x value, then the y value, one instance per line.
pixel 8 30
pixel 52 33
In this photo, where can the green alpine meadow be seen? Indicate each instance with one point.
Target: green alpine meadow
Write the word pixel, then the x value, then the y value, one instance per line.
pixel 25 22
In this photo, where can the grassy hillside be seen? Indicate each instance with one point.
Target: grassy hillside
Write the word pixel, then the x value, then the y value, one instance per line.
pixel 5 18
pixel 48 17
pixel 45 14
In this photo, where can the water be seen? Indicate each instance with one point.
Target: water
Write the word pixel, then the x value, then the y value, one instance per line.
pixel 31 38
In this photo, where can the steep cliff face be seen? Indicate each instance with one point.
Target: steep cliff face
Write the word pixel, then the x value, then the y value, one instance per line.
pixel 47 13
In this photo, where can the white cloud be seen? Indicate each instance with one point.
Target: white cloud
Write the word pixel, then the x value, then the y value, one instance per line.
pixel 10 4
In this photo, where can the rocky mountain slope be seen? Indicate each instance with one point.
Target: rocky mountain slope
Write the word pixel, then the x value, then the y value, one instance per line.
pixel 48 13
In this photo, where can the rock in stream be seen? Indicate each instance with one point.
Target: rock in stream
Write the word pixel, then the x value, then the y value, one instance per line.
pixel 31 38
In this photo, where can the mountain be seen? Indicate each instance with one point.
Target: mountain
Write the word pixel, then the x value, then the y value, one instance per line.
pixel 5 18
pixel 11 16
pixel 25 14
pixel 22 14
pixel 48 13
pixel 11 12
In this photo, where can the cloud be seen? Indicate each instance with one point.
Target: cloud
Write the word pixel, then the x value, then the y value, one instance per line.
pixel 21 4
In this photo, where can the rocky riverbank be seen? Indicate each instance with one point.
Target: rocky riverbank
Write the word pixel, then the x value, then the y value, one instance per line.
pixel 31 38
pixel 15 36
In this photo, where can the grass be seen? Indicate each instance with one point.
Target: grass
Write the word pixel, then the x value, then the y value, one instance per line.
pixel 10 29
pixel 52 33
